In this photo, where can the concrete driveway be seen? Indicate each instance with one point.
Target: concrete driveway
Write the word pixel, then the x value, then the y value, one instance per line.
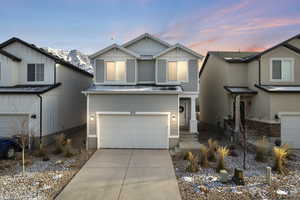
pixel 119 174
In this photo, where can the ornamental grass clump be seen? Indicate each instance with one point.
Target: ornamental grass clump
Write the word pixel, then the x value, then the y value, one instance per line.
pixel 68 152
pixel 261 150
pixel 203 156
pixel 212 148
pixel 192 163
pixel 280 154
pixel 60 141
pixel 222 154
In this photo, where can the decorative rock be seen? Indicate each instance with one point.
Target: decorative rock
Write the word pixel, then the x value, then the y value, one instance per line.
pixel 224 177
pixel 268 175
pixel 281 192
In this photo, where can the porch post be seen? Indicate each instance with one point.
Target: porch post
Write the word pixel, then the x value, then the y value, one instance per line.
pixel 193 121
pixel 237 114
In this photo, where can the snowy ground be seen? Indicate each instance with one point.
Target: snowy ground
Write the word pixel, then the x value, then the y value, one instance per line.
pixel 205 184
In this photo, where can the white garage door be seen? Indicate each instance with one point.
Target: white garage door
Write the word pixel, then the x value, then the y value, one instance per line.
pixel 11 124
pixel 290 130
pixel 137 131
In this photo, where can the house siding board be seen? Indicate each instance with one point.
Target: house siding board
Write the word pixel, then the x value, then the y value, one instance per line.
pixel 280 52
pixel 240 71
pixel 146 70
pixel 133 103
pixel 147 46
pixel 284 103
pixel 161 71
pixel 8 73
pixel 28 56
pixel 99 78
pixel 295 42
pixel 25 104
pixel 130 71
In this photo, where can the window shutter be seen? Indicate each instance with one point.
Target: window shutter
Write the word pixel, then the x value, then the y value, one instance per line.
pixel 286 68
pixel 276 69
pixel 130 70
pixel 161 71
pixel 99 71
pixel 31 72
pixel 39 72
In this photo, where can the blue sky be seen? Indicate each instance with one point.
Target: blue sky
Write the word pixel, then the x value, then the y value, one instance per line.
pixel 90 25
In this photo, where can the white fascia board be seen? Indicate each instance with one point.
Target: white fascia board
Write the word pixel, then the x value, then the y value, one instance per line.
pixel 112 47
pixel 145 35
pixel 181 47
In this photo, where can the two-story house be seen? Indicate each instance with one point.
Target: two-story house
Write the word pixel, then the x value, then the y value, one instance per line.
pixel 263 87
pixel 39 92
pixel 143 92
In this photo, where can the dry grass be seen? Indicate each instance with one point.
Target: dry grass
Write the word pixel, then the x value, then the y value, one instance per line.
pixel 204 156
pixel 68 150
pixel 41 152
pixel 60 141
pixel 280 154
pixel 212 148
pixel 222 154
pixel 261 150
pixel 193 163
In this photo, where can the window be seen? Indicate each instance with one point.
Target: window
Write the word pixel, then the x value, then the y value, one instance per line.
pixel 115 71
pixel 177 71
pixel 282 69
pixel 35 72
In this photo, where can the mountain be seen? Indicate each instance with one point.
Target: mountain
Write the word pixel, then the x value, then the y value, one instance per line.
pixel 73 56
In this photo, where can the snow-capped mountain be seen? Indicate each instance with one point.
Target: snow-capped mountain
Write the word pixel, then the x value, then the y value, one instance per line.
pixel 73 56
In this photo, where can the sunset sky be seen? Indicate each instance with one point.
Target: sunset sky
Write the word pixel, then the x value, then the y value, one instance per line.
pixel 90 25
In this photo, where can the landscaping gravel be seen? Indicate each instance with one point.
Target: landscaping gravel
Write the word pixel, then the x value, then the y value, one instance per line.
pixel 205 184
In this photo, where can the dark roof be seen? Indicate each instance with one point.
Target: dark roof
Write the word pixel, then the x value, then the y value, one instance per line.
pixel 270 49
pixel 12 57
pixel 239 90
pixel 291 47
pixel 28 89
pixel 234 56
pixel 279 88
pixel 46 53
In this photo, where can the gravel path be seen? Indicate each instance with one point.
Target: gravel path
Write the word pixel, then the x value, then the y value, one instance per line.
pixel 205 184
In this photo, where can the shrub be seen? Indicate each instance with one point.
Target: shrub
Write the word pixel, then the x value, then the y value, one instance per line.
pixel 203 156
pixel 223 153
pixel 41 152
pixel 193 163
pixel 261 150
pixel 280 154
pixel 277 142
pixel 212 148
pixel 59 144
pixel 68 149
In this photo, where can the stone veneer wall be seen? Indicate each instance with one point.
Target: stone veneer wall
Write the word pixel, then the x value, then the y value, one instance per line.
pixel 263 128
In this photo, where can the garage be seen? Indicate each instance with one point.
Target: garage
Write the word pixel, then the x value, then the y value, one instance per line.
pixel 290 129
pixel 11 124
pixel 138 130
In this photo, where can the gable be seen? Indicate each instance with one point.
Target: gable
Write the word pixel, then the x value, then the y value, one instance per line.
pixel 147 46
pixel 114 54
pixel 178 53
pixel 295 42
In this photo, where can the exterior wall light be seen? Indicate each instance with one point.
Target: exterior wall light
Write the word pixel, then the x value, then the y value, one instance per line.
pixel 92 117
pixel 173 117
pixel 33 116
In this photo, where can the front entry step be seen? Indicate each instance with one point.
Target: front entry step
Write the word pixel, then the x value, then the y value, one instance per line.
pixel 188 141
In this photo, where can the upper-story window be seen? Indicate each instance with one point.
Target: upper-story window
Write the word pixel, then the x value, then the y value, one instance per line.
pixel 35 72
pixel 177 71
pixel 115 71
pixel 282 69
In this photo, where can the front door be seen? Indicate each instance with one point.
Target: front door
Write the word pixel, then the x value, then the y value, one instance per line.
pixel 183 113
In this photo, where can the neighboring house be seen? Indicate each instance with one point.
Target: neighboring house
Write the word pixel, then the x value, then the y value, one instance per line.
pixel 265 86
pixel 143 92
pixel 39 92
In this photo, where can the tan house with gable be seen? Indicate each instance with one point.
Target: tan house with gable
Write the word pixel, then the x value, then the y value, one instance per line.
pixel 264 85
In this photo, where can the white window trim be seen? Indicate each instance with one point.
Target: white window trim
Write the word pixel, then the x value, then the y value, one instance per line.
pixel 167 71
pixel 35 81
pixel 280 80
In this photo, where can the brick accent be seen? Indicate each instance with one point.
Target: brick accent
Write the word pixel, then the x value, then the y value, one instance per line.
pixel 263 128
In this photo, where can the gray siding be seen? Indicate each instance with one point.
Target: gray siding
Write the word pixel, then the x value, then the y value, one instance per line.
pixel 99 71
pixel 133 103
pixel 130 70
pixel 193 77
pixel 146 70
pixel 161 71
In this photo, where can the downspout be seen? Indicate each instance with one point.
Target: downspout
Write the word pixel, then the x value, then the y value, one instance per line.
pixel 41 117
pixel 259 71
pixel 54 73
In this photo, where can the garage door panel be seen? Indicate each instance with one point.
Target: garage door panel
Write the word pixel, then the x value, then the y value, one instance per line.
pixel 290 130
pixel 138 131
pixel 12 124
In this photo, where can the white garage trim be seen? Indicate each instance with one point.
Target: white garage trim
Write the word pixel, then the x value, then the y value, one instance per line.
pixel 288 114
pixel 129 113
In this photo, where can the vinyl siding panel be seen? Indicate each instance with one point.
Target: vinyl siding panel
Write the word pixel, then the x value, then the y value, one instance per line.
pixel 161 71
pixel 8 72
pixel 99 78
pixel 146 70
pixel 130 71
pixel 147 46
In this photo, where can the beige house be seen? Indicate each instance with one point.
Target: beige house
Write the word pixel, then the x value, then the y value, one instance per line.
pixel 264 85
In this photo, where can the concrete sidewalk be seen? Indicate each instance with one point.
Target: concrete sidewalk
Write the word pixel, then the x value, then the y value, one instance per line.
pixel 119 174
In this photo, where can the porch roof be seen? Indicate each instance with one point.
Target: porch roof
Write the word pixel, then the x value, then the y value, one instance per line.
pixel 239 90
pixel 280 88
